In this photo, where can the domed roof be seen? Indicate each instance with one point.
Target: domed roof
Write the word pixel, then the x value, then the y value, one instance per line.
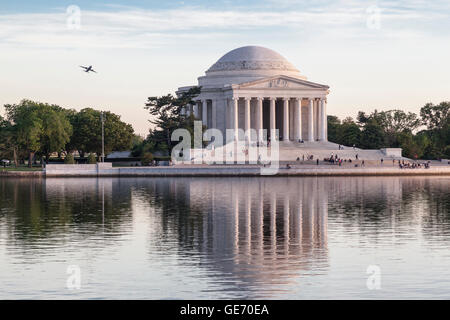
pixel 252 58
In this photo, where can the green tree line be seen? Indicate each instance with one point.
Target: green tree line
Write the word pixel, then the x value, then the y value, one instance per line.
pixel 424 136
pixel 167 117
pixel 31 130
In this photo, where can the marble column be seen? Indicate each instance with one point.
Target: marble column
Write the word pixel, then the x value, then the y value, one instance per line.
pixel 259 119
pixel 310 119
pixel 286 119
pixel 323 120
pixel 316 116
pixel 214 113
pixel 298 119
pixel 272 118
pixel 247 118
pixel 230 113
pixel 188 110
pixel 196 109
pixel 236 117
pixel 205 112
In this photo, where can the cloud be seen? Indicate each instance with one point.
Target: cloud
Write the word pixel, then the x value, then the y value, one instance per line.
pixel 126 27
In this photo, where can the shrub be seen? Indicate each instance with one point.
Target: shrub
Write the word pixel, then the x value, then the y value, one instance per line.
pixel 69 159
pixel 147 159
pixel 91 159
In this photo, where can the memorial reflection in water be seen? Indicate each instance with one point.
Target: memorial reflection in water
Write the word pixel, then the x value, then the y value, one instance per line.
pixel 203 238
pixel 259 230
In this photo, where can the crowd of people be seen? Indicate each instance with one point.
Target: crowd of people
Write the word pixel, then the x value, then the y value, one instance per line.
pixel 334 159
pixel 414 165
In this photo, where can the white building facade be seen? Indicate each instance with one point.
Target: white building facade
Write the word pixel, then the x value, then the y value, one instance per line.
pixel 256 88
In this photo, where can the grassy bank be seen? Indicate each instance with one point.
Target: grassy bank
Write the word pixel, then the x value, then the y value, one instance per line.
pixel 11 169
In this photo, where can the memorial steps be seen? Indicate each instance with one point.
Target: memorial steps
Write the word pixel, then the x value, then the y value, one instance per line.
pixel 291 150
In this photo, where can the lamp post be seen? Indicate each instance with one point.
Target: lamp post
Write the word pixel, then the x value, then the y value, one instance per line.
pixel 102 117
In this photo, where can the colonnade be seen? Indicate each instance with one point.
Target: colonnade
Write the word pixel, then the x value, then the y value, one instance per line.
pixel 315 120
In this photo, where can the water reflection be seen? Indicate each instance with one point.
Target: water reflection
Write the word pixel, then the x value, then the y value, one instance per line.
pixel 260 231
pixel 40 215
pixel 218 237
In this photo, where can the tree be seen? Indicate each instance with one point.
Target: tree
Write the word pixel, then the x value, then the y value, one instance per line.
pixel 411 147
pixel 147 159
pixel 69 159
pixel 437 120
pixel 333 124
pixel 55 131
pixel 392 127
pixel 87 132
pixel 372 135
pixel 35 128
pixel 397 125
pixel 395 121
pixel 85 129
pixel 168 117
pixel 436 116
pixel 8 141
pixel 91 159
pixel 27 126
pixel 138 146
pixel 349 133
pixel 362 118
pixel 38 127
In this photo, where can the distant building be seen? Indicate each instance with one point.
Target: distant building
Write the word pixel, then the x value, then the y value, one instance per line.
pixel 255 92
pixel 119 155
pixel 123 158
pixel 256 88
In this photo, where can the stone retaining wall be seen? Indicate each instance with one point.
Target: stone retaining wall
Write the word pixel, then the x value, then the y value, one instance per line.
pixel 105 169
pixel 77 170
pixel 22 174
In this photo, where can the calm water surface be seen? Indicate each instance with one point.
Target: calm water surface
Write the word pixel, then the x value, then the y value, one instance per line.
pixel 215 238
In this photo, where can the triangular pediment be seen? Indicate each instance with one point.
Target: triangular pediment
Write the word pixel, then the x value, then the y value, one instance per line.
pixel 280 82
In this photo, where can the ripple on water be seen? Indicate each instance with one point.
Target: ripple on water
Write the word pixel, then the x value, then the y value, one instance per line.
pixel 252 238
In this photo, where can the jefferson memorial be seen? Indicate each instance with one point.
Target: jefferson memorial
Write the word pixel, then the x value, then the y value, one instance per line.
pixel 254 87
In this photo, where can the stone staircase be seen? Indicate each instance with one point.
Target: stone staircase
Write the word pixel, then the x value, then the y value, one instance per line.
pixel 291 150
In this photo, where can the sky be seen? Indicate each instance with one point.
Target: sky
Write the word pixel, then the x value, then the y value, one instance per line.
pixel 373 54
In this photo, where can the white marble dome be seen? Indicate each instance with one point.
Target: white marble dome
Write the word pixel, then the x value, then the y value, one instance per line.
pixel 246 64
pixel 252 58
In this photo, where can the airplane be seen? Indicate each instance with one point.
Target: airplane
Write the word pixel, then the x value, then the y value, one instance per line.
pixel 88 69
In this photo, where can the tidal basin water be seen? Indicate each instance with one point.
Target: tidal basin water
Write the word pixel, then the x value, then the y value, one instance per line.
pixel 225 238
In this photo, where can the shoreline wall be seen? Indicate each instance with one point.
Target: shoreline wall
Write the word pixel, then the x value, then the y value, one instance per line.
pixel 106 170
